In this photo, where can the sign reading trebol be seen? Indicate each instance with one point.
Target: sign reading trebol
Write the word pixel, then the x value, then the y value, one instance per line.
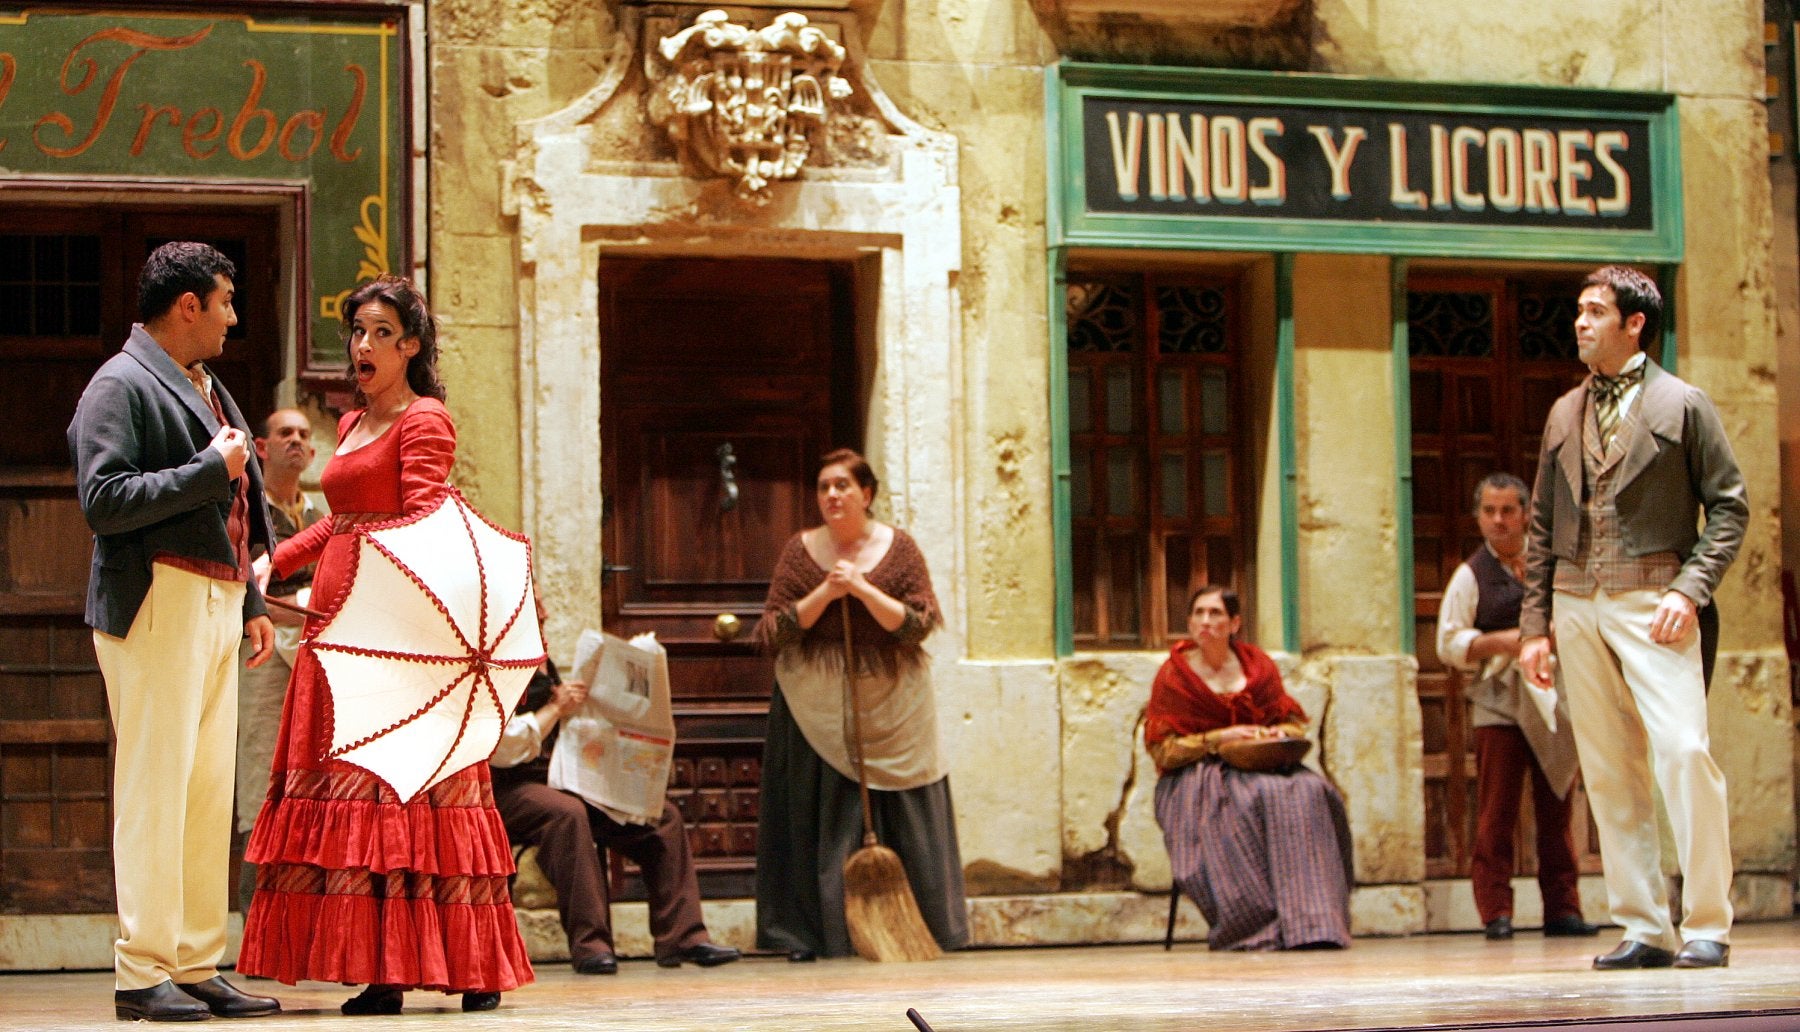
pixel 123 95
pixel 744 103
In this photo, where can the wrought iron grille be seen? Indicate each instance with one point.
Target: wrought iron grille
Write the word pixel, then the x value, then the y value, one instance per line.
pixel 1103 316
pixel 1450 324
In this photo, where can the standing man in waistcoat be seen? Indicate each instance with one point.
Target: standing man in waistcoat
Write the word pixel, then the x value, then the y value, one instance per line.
pixel 166 480
pixel 1631 459
pixel 1478 633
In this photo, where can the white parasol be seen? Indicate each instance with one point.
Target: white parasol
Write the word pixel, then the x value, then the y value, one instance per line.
pixel 432 646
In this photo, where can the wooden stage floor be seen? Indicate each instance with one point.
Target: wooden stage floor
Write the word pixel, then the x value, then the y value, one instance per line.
pixel 1455 981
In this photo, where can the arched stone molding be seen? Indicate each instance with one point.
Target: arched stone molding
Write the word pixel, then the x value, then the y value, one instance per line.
pixel 578 199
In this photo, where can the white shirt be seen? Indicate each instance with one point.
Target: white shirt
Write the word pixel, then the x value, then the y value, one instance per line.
pixel 520 741
pixel 1493 701
pixel 1456 632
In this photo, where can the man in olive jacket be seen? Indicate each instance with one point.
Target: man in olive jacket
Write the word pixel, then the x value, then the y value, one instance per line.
pixel 165 477
pixel 1630 460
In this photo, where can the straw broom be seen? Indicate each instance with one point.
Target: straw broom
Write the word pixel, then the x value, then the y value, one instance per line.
pixel 883 917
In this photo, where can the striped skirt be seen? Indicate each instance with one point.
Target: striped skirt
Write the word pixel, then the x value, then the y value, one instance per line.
pixel 1266 857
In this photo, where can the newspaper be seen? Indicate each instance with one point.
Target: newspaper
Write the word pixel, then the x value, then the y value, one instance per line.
pixel 615 751
pixel 1544 699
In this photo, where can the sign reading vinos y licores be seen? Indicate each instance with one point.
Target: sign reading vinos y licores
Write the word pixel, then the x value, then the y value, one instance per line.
pixel 122 96
pixel 1177 158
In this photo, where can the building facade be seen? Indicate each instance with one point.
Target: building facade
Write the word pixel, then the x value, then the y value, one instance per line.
pixel 1118 298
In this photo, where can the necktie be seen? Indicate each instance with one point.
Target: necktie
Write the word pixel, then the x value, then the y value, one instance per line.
pixel 1608 392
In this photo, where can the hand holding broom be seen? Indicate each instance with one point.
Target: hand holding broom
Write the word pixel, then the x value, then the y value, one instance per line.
pixel 883 918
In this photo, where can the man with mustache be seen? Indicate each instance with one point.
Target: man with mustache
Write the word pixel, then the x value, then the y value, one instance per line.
pixel 1478 633
pixel 286 450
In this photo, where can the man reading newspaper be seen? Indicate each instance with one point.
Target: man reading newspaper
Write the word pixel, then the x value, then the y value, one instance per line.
pixel 609 765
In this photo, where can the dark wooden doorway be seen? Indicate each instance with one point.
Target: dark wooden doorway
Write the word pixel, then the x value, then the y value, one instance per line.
pixel 722 382
pixel 1490 354
pixel 68 297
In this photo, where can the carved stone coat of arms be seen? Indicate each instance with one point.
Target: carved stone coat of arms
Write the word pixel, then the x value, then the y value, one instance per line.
pixel 747 104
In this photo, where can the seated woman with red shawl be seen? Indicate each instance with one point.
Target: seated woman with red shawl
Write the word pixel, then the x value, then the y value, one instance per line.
pixel 1264 855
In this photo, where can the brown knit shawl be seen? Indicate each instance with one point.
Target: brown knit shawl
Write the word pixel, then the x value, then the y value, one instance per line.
pixel 901 573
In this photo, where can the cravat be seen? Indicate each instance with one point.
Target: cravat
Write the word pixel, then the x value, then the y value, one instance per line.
pixel 1608 392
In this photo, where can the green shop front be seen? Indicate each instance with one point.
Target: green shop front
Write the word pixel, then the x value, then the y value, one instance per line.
pixel 1296 318
pixel 279 133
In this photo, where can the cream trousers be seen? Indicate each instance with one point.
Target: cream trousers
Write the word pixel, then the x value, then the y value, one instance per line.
pixel 172 685
pixel 1639 716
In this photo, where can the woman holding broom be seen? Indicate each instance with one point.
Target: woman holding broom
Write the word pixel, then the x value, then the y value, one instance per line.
pixel 811 814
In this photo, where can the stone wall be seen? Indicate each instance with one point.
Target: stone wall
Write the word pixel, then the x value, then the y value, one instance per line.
pixel 1052 789
pixel 491 66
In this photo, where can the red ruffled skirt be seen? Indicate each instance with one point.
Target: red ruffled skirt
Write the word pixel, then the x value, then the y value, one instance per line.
pixel 353 886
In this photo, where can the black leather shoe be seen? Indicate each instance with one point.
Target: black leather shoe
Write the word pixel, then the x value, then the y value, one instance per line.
pixel 705 954
pixel 598 964
pixel 1631 954
pixel 1701 953
pixel 228 1001
pixel 158 1003
pixel 480 1001
pixel 1499 928
pixel 1570 925
pixel 802 956
pixel 376 999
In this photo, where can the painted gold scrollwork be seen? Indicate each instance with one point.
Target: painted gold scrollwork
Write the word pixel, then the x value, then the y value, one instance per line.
pixel 372 232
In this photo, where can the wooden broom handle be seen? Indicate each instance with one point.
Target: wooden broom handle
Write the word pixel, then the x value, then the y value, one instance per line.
pixel 856 751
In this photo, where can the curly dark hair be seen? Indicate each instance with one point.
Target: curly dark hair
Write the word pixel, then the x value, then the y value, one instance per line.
pixel 1634 293
pixel 415 320
pixel 176 268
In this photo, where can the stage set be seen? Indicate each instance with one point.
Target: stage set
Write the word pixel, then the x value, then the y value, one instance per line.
pixel 1446 981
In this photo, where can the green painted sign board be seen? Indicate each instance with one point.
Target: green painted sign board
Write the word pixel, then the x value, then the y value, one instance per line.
pixel 1255 161
pixel 123 95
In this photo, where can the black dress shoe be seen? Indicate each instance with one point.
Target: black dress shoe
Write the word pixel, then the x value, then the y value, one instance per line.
pixel 375 1000
pixel 802 956
pixel 705 954
pixel 158 1003
pixel 1631 954
pixel 1570 925
pixel 598 964
pixel 228 1001
pixel 1700 953
pixel 480 1001
pixel 1499 928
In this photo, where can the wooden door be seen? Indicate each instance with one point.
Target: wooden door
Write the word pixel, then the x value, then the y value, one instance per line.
pixel 68 296
pixel 718 381
pixel 1489 357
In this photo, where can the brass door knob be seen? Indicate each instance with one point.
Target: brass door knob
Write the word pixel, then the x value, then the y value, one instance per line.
pixel 726 627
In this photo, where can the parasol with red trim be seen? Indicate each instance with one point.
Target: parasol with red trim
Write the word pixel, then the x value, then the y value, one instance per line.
pixel 432 645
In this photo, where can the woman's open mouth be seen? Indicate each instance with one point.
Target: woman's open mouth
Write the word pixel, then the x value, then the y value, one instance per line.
pixel 365 370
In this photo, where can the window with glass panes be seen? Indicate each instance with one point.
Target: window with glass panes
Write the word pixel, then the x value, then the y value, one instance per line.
pixel 1153 452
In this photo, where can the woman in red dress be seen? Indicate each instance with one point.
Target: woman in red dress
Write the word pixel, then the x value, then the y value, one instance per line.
pixel 352 885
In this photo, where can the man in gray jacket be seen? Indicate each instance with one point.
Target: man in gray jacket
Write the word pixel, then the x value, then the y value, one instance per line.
pixel 165 477
pixel 1630 460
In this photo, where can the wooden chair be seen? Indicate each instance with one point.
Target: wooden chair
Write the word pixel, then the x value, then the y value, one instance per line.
pixel 1169 933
